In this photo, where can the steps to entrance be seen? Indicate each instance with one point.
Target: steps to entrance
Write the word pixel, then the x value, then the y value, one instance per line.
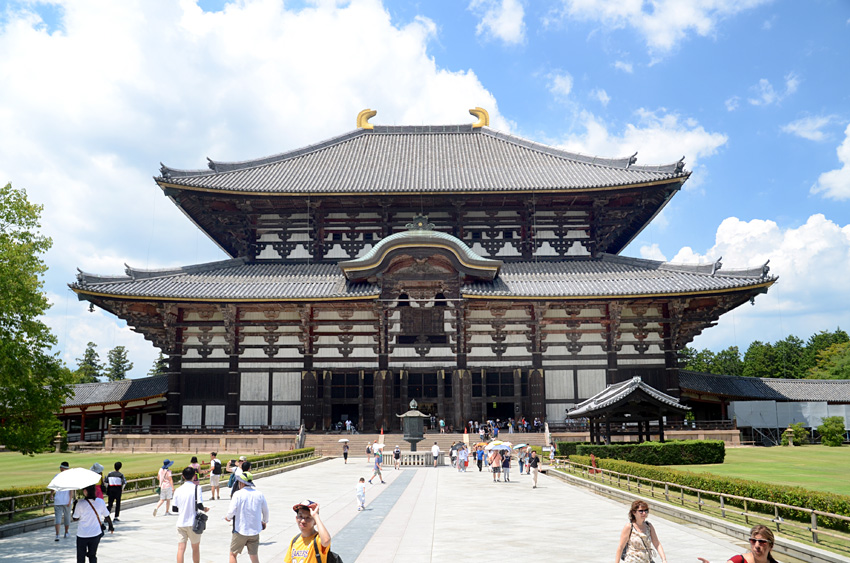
pixel 329 444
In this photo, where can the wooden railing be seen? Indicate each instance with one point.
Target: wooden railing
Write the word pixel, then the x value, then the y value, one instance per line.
pixel 192 429
pixel 698 499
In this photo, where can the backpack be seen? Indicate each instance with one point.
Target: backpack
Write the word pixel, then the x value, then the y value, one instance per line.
pixel 232 480
pixel 368 450
pixel 216 470
pixel 331 557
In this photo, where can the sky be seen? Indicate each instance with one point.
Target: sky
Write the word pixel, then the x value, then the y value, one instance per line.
pixel 755 94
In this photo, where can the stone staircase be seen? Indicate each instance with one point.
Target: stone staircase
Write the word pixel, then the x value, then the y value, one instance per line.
pixel 329 444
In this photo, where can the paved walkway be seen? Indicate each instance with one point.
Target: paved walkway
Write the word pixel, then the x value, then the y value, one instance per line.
pixel 420 515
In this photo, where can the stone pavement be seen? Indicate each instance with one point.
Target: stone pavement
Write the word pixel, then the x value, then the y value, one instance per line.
pixel 420 515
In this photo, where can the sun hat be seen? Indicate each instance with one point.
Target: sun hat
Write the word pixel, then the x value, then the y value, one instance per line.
pixel 97 468
pixel 246 479
pixel 242 458
pixel 308 504
pixel 166 463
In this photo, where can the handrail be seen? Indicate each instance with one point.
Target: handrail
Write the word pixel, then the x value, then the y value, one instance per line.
pixel 135 486
pixel 599 473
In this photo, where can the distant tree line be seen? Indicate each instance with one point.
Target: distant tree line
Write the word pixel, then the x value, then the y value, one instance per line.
pixel 91 370
pixel 825 355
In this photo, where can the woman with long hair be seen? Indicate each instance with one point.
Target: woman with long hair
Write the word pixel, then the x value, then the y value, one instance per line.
pixel 761 545
pixel 638 537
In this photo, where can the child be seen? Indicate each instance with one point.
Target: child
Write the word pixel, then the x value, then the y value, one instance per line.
pixel 361 494
pixel 313 539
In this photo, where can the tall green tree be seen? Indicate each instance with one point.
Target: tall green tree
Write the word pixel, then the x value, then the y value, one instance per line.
pixel 117 364
pixel 32 384
pixel 89 368
pixel 789 358
pixel 159 367
pixel 832 363
pixel 759 360
pixel 819 342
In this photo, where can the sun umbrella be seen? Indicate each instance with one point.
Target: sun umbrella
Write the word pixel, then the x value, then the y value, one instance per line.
pixel 518 446
pixel 377 446
pixel 343 439
pixel 501 447
pixel 73 479
pixel 482 444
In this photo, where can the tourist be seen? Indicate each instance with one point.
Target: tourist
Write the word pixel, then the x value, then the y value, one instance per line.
pixel 397 457
pixel 345 452
pixel 482 431
pixel 215 477
pixel 376 472
pixel 533 464
pixel 453 454
pixel 638 537
pixel 442 426
pixel 368 453
pixel 166 486
pixel 236 468
pixel 462 459
pixel 761 545
pixel 98 468
pixel 360 492
pixel 521 459
pixel 479 455
pixel 552 450
pixel 496 465
pixel 115 483
pixel 435 451
pixel 188 500
pixel 62 505
pixel 193 463
pixel 250 512
pixel 506 465
pixel 88 511
pixel 314 538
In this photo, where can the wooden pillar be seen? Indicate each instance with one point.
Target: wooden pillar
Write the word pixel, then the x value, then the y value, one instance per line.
pixel 327 383
pixel 123 412
pixel 309 399
pixel 441 393
pixel 607 429
pixel 83 424
pixel 661 428
pixel 537 394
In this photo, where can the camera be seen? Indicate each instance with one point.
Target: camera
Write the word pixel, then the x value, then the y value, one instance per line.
pixel 174 509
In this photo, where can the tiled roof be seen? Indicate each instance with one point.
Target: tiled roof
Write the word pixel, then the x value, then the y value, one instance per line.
pixel 236 279
pixel 619 392
pixel 451 158
pixel 115 391
pixel 766 389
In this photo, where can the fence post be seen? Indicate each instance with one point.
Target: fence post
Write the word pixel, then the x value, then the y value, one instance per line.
pixel 699 500
pixel 682 494
pixel 814 527
pixel 722 507
pixel 12 512
pixel 777 519
pixel 746 514
pixel 667 491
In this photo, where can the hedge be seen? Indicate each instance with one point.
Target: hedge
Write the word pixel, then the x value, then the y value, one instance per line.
pixel 566 449
pixel 784 494
pixel 36 502
pixel 677 452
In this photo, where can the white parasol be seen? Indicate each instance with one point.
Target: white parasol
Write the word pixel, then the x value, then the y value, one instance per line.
pixel 73 479
pixel 343 439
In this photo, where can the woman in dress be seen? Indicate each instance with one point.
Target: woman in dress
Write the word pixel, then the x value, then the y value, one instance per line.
pixel 761 544
pixel 638 537
pixel 89 511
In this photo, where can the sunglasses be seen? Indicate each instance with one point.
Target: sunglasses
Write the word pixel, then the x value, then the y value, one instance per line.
pixel 754 541
pixel 643 511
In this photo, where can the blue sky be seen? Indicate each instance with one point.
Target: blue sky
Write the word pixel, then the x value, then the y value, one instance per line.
pixel 754 93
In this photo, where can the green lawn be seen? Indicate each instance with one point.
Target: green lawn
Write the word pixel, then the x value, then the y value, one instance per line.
pixel 20 471
pixel 819 468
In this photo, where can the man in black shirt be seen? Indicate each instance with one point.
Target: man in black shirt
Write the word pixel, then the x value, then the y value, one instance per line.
pixel 115 483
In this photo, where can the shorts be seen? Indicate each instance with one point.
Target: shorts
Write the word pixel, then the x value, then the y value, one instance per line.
pixel 166 493
pixel 435 457
pixel 238 541
pixel 496 469
pixel 186 534
pixel 62 512
pixel 215 480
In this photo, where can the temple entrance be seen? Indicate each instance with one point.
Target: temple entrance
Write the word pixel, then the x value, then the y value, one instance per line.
pixel 341 413
pixel 502 411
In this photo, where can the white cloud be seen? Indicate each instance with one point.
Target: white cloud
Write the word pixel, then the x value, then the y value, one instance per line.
pixel 652 252
pixel 662 138
pixel 809 127
pixel 560 85
pixel 601 95
pixel 500 19
pixel 767 95
pixel 624 66
pixel 813 264
pixel 92 106
pixel 662 23
pixel 733 103
pixel 835 184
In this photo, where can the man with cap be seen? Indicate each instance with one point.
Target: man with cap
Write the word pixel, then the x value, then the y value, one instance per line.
pixel 188 500
pixel 241 465
pixel 62 505
pixel 166 486
pixel 249 512
pixel 313 535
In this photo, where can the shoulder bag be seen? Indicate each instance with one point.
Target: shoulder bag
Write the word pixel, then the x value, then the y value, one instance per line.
pixel 200 523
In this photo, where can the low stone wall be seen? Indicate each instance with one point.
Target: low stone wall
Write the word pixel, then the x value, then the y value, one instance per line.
pixel 199 443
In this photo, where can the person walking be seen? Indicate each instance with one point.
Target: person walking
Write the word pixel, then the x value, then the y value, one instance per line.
pixel 368 453
pixel 506 466
pixel 479 455
pixel 376 472
pixel 397 457
pixel 166 486
pixel 62 505
pixel 88 512
pixel 345 452
pixel 462 459
pixel 188 500
pixel 520 458
pixel 435 451
pixel 761 545
pixel 638 537
pixel 360 492
pixel 496 465
pixel 533 466
pixel 115 483
pixel 313 541
pixel 215 477
pixel 249 512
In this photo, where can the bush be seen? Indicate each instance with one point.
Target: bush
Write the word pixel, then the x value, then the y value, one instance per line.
pixel 832 431
pixel 566 449
pixel 801 435
pixel 795 496
pixel 680 452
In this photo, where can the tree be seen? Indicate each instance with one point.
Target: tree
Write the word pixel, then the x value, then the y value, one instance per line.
pixel 832 363
pixel 118 364
pixel 728 362
pixel 832 431
pixel 32 384
pixel 819 342
pixel 760 360
pixel 159 367
pixel 89 368
pixel 789 358
pixel 697 360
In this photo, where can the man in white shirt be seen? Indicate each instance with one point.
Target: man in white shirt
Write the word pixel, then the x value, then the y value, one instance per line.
pixel 62 505
pixel 250 513
pixel 435 451
pixel 188 499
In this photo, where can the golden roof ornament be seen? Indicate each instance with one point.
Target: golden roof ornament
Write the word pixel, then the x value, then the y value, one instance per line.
pixel 483 117
pixel 363 118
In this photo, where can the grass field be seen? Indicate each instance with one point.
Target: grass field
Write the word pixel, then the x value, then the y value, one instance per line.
pixel 818 468
pixel 21 471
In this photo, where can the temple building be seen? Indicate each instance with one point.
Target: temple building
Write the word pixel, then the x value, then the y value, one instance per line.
pixel 474 271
